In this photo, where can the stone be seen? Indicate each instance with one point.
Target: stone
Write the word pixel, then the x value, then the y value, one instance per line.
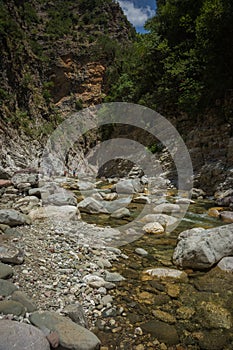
pixel 153 228
pixel 76 314
pixel 164 316
pixel 184 201
pixel 11 254
pixel 200 249
pixel 71 335
pixel 92 206
pixel 167 208
pixel 94 281
pixel 110 196
pixel 12 217
pixel 23 299
pixel 11 307
pixel 141 251
pixel 214 340
pixel 212 316
pixel 197 193
pixel 120 213
pixel 163 332
pixel 60 199
pixel 24 177
pixel 185 312
pixel 214 212
pixel 129 186
pixel 6 271
pixel 113 277
pixel 26 204
pixel 141 200
pixel 226 264
pixel 64 212
pixel 166 273
pixel 120 203
pixel 163 219
pixel 6 288
pixel 5 183
pixel 227 216
pixel 107 299
pixel 173 290
pixel 16 335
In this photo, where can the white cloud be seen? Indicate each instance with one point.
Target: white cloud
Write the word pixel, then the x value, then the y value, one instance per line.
pixel 136 15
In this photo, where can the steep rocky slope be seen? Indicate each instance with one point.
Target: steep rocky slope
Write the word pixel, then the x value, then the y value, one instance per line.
pixel 53 60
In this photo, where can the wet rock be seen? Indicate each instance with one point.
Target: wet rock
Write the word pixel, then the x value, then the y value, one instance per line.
pixel 211 315
pixel 226 264
pixel 23 299
pixel 153 228
pixel 164 316
pixel 200 249
pixel 173 290
pixel 6 271
pixel 213 340
pixel 165 273
pixel 141 200
pixel 8 307
pixel 64 212
pixel 163 219
pixel 71 335
pixel 120 213
pixel 7 288
pixel 163 332
pixel 61 198
pixel 92 206
pixel 76 314
pixel 11 254
pixel 167 208
pixel 141 251
pixel 15 335
pixel 214 212
pixel 113 277
pixel 12 217
pixel 227 216
pixel 185 313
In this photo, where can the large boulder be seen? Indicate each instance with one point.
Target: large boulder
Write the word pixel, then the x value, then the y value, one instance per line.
pixel 129 186
pixel 200 249
pixel 24 177
pixel 61 198
pixel 64 212
pixel 71 335
pixel 92 206
pixel 19 336
pixel 12 217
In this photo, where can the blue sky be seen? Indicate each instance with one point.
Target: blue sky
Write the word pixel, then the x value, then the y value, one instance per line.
pixel 138 11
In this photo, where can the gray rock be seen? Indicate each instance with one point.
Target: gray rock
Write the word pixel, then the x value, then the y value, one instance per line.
pixel 166 273
pixel 227 216
pixel 11 254
pixel 20 336
pixel 200 249
pixel 129 186
pixel 92 206
pixel 120 203
pixel 7 288
pixel 141 251
pixel 6 271
pixel 120 213
pixel 226 264
pixel 167 208
pixel 23 299
pixel 141 200
pixel 163 219
pixel 76 314
pixel 21 178
pixel 61 198
pixel 113 277
pixel 64 212
pixel 12 217
pixel 12 307
pixel 71 335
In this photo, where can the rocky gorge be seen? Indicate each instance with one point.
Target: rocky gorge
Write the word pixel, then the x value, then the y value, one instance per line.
pixel 117 275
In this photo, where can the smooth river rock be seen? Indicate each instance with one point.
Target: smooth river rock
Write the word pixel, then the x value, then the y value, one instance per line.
pixel 20 336
pixel 200 249
pixel 71 335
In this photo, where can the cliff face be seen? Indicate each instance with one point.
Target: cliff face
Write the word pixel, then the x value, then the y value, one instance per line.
pixel 54 55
